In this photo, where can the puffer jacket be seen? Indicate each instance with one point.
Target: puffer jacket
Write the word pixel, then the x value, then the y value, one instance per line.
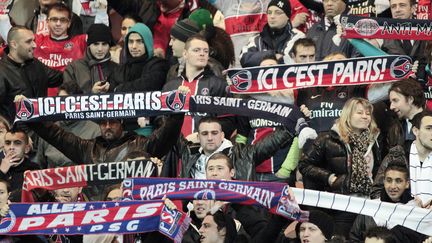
pixel 98 150
pixel 244 157
pixel 328 155
pixel 268 42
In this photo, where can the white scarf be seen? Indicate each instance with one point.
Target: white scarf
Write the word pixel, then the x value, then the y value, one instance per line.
pixel 420 175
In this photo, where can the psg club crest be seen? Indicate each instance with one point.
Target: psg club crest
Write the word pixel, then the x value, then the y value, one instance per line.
pixel 175 100
pixel 400 67
pixel 8 222
pixel 242 80
pixel 25 110
pixel 205 194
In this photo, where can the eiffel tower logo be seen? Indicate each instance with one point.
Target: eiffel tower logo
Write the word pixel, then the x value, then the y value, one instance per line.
pixel 175 100
pixel 24 110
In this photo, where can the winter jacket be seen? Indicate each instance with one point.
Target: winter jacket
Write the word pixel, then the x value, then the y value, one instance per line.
pixel 144 73
pixel 205 83
pixel 363 222
pixel 30 79
pixel 87 71
pixel 244 157
pixel 396 153
pixel 268 41
pixel 324 43
pixel 15 177
pixel 215 66
pixel 48 156
pixel 328 155
pixel 98 150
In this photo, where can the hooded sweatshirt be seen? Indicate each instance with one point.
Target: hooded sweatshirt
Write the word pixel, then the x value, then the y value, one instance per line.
pixel 138 74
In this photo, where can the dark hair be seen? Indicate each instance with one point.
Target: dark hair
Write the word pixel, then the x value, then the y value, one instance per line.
pixel 221 156
pixel 60 7
pixel 268 56
pixel 13 32
pixel 71 88
pixel 221 45
pixel 194 37
pixel 209 119
pixel 14 130
pixel 306 42
pixel 416 121
pixel 410 88
pixel 8 186
pixel 381 233
pixel 134 17
pixel 137 154
pixel 109 189
pixel 223 220
pixel 398 166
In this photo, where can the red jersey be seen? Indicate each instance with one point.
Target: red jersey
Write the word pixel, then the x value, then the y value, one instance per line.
pixel 57 54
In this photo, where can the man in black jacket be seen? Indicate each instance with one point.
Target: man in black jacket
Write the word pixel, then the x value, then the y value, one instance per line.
pixel 396 190
pixel 244 157
pixel 21 73
pixel 15 162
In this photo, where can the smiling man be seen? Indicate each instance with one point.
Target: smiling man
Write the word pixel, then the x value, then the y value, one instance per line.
pixel 406 100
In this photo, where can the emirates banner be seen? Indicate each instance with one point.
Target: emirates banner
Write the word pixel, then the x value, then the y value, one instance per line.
pixel 94 218
pixel 274 196
pixel 357 27
pixel 353 71
pixel 84 175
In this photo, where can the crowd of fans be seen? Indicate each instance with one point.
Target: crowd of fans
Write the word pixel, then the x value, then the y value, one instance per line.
pixel 371 141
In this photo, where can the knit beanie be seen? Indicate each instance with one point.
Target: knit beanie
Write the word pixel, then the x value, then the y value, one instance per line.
pixel 202 17
pixel 99 32
pixel 322 220
pixel 184 29
pixel 282 4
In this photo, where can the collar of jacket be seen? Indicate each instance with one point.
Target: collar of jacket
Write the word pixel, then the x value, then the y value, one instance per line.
pixel 225 144
pixel 405 197
pixel 16 64
pixel 206 72
pixel 269 35
pixel 25 165
pixel 126 136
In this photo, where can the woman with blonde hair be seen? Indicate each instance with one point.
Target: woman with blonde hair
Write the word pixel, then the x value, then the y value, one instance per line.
pixel 345 159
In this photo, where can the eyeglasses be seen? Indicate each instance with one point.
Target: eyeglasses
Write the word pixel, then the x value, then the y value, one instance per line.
pixel 55 20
